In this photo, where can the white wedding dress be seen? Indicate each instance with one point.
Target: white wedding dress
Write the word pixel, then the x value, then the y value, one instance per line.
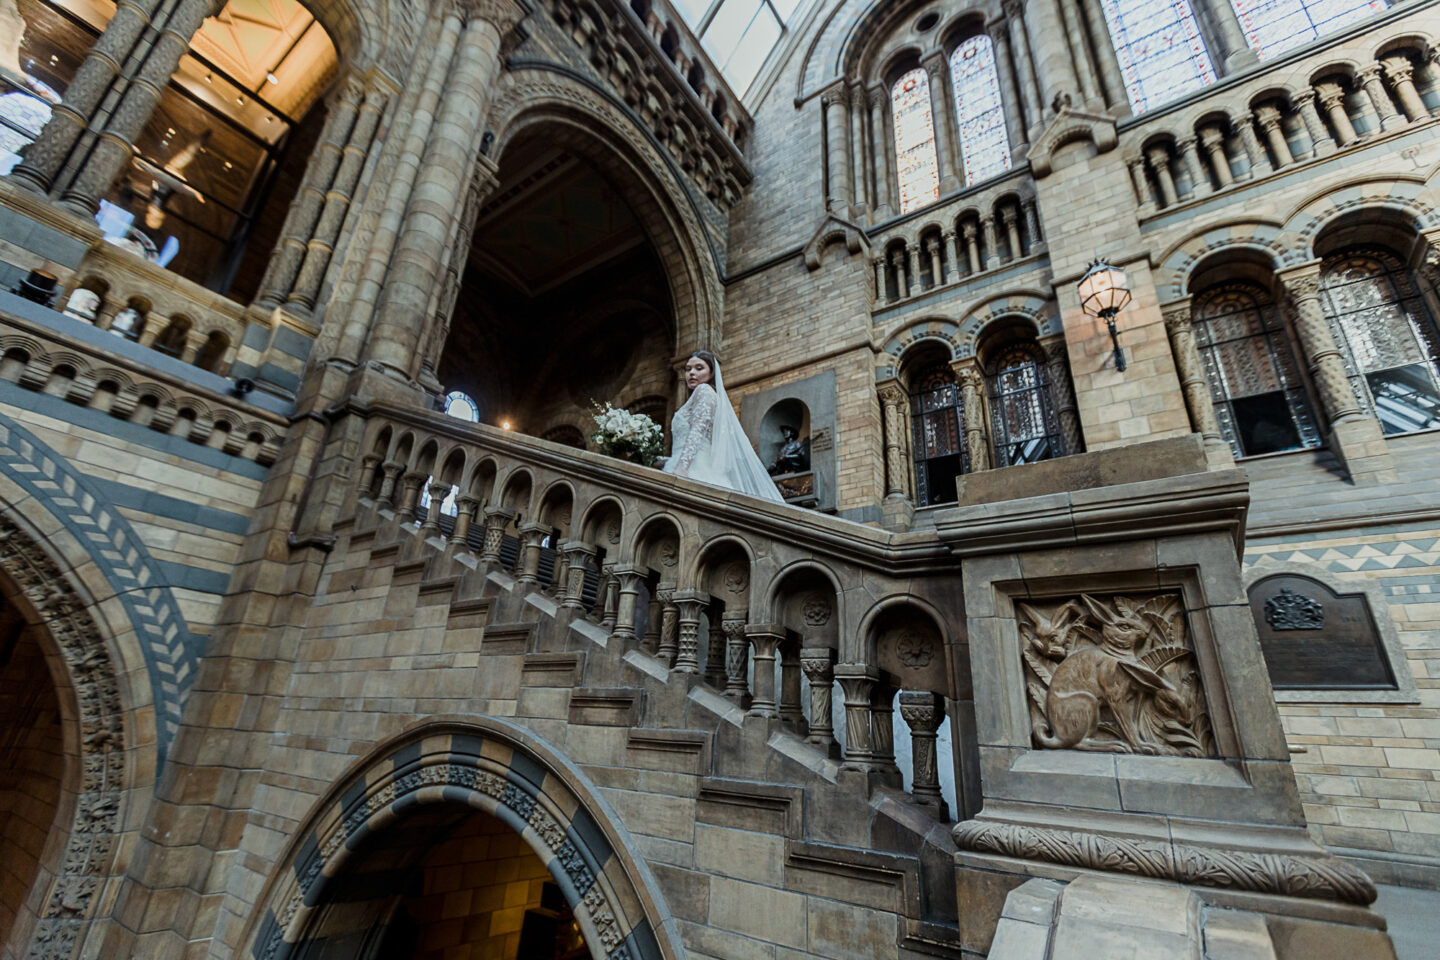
pixel 709 445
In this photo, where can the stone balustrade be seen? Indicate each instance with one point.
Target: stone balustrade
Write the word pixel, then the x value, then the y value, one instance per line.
pixel 1275 120
pixel 656 66
pixel 991 226
pixel 742 598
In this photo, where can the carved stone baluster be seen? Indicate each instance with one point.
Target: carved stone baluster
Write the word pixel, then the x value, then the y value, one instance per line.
pixel 923 713
pixel 609 600
pixel 496 520
pixel 580 556
pixel 392 471
pixel 818 663
pixel 857 681
pixel 528 563
pixel 1401 73
pixel 650 642
pixel 1321 143
pixel 765 640
pixel 1379 97
pixel 465 508
pixel 715 652
pixel 690 604
pixel 368 465
pixel 409 496
pixel 669 626
pixel 737 662
pixel 791 711
pixel 438 492
pixel 629 579
pixel 882 728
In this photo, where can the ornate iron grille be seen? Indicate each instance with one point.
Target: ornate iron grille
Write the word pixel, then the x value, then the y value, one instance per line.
pixel 1022 412
pixel 937 416
pixel 1255 384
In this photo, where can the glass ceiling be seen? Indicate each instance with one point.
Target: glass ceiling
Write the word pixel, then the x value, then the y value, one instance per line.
pixel 738 34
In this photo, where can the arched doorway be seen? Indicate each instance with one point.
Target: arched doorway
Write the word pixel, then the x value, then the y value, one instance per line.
pixel 564 297
pixel 407 855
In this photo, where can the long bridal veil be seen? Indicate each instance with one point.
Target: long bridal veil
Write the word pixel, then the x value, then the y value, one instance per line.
pixel 731 461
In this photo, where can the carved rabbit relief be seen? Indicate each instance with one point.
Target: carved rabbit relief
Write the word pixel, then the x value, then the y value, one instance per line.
pixel 1114 674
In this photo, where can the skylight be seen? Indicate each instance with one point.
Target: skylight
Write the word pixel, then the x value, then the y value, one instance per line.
pixel 738 34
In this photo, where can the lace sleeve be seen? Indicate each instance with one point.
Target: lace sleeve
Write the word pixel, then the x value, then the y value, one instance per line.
pixel 702 423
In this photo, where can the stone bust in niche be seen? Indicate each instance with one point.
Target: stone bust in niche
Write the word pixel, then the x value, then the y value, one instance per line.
pixel 794 453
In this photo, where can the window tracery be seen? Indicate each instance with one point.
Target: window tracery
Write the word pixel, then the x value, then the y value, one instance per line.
pixel 1255 384
pixel 1026 429
pixel 1274 26
pixel 916 164
pixel 1387 337
pixel 1161 51
pixel 937 415
pixel 975 83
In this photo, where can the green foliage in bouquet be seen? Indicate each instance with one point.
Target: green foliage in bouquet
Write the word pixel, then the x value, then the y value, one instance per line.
pixel 627 436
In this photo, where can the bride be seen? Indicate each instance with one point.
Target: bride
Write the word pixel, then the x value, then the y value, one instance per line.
pixel 708 442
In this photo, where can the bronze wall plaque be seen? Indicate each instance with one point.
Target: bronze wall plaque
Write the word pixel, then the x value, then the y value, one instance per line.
pixel 1314 637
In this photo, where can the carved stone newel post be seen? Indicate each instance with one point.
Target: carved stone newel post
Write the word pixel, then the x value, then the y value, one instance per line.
pixel 496 520
pixel 857 680
pixel 687 657
pixel 629 584
pixel 737 661
pixel 765 639
pixel 923 713
pixel 819 666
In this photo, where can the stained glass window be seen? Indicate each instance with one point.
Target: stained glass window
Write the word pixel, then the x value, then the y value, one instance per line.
pixel 1274 26
pixel 1160 50
pixel 1255 383
pixel 1026 428
pixel 984 142
pixel 915 163
pixel 1388 339
pixel 938 415
pixel 460 406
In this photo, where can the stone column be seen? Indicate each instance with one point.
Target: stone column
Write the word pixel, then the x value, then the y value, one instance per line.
pixel 438 492
pixel 690 603
pixel 629 579
pixel 114 147
pixel 1199 183
pixel 1110 76
pixel 1079 53
pixel 765 640
pixel 992 248
pixel 528 563
pixel 972 393
pixel 1024 65
pixel 465 508
pixel 579 556
pixel 409 495
pixel 882 728
pixel 1236 52
pixel 1327 369
pixel 857 681
pixel 791 712
pixel 937 273
pixel 1369 78
pixel 892 403
pixel 650 640
pixel 609 599
pixel 1259 162
pixel 912 267
pixel 321 246
pixel 1062 393
pixel 392 471
pixel 1332 98
pixel 368 465
pixel 1191 370
pixel 451 154
pixel 837 150
pixel 1401 73
pixel 1269 119
pixel 880 149
pixel 305 209
pixel 1010 217
pixel 1320 140
pixel 923 713
pixel 44 157
pixel 1032 224
pixel 496 520
pixel 819 666
pixel 1052 58
pixel 942 113
pixel 949 248
pixel 972 246
pixel 1143 197
pixel 737 662
pixel 1214 143
pixel 715 653
pixel 902 282
pixel 857 151
pixel 1010 98
pixel 669 648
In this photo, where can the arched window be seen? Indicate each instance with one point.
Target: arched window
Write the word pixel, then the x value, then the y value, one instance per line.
pixel 460 406
pixel 984 142
pixel 1022 410
pixel 937 413
pixel 915 163
pixel 1274 26
pixel 1388 338
pixel 1160 50
pixel 1255 383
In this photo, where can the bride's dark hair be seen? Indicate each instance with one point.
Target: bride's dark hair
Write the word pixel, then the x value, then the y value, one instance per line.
pixel 710 361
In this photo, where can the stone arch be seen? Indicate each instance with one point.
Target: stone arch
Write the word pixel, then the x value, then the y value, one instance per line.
pixel 935 329
pixel 725 567
pixel 107 698
pixel 603 524
pixel 1177 265
pixel 658 544
pixel 896 613
pixel 488 764
pixel 606 133
pixel 1034 306
pixel 1404 196
pixel 789 601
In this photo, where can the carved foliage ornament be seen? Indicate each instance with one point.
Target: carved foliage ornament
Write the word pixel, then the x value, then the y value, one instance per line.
pixel 1288 610
pixel 1113 674
pixel 815 609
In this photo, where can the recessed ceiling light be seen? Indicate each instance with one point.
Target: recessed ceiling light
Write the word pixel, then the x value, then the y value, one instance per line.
pixel 271 78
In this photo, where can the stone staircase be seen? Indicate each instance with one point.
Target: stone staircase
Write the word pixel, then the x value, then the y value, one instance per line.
pixel 703 787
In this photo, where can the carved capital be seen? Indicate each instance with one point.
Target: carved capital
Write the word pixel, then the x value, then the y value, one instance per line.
pixel 1398 69
pixel 1177 317
pixel 891 394
pixel 922 712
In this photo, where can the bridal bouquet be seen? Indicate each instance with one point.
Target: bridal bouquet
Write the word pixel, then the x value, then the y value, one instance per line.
pixel 627 436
